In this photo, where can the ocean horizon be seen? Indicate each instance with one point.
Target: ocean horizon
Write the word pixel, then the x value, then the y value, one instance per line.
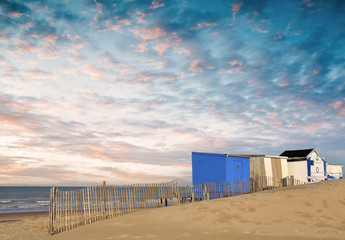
pixel 26 199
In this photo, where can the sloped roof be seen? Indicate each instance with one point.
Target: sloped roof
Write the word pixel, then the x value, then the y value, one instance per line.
pixel 296 153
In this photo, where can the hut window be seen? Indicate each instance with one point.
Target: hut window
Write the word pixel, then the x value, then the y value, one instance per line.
pixel 312 163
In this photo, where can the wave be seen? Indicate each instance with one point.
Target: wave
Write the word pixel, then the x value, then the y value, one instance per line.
pixel 46 202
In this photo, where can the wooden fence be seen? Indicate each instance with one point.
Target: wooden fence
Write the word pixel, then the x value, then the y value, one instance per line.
pixel 214 190
pixel 70 209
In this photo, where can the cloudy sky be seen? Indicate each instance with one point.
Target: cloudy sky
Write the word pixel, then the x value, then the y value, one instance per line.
pixel 124 91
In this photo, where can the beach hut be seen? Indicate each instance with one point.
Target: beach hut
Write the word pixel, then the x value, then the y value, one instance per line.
pixel 306 165
pixel 334 171
pixel 220 174
pixel 271 168
pixel 214 167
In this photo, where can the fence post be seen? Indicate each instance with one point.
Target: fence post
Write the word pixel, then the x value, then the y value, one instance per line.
pixel 51 211
pixel 292 180
pixel 104 199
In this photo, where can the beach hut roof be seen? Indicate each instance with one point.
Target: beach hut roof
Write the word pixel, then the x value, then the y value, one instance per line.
pixel 297 153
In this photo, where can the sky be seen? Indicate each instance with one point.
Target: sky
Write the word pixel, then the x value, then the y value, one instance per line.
pixel 124 91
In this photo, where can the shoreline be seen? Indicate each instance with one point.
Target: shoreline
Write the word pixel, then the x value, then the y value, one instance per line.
pixel 24 214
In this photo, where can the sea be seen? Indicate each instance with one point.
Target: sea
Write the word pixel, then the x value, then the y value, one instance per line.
pixel 26 199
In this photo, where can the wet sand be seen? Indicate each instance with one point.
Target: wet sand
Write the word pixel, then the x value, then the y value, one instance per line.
pixel 313 211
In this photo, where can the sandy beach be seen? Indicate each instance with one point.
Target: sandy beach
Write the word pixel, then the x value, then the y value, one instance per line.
pixel 24 226
pixel 313 211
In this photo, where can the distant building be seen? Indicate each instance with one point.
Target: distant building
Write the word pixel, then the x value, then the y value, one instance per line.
pixel 215 167
pixel 306 165
pixel 334 171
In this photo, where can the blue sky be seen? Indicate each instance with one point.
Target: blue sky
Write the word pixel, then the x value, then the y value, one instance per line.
pixel 124 91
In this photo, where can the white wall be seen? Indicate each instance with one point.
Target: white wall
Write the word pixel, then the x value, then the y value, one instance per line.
pixel 298 169
pixel 268 167
pixel 317 172
pixel 285 169
pixel 335 170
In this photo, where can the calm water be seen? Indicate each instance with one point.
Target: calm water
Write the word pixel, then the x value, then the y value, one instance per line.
pixel 26 199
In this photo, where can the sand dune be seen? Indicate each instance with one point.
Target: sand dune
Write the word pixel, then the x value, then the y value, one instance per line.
pixel 314 211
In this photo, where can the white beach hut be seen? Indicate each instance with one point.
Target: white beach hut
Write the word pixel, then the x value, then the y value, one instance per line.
pixel 306 165
pixel 334 171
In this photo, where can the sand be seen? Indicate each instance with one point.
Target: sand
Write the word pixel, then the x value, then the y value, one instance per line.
pixel 313 211
pixel 24 226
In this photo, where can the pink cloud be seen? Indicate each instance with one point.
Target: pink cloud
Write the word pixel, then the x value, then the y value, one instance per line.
pixel 168 78
pixel 236 67
pixel 193 67
pixel 144 77
pixel 161 48
pixel 67 70
pixel 126 70
pixel 308 3
pixel 276 123
pixel 283 83
pixel 202 25
pixel 14 14
pixel 337 104
pixel 121 146
pixel 235 8
pixel 38 74
pixel 342 111
pixel 316 71
pixel 235 62
pixel 312 128
pixel 18 106
pixel 3 37
pixel 156 4
pixel 98 4
pixel 48 53
pixel 109 25
pixel 182 165
pixel 51 38
pixel 142 47
pixel 23 46
pixel 94 72
pixel 95 147
pixel 148 34
pixel 140 18
pixel 184 51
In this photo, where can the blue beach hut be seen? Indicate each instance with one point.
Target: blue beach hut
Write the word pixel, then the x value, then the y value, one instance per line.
pixel 220 168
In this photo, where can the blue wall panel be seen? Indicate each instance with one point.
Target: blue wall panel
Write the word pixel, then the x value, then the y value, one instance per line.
pixel 213 167
pixel 237 168
pixel 208 167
